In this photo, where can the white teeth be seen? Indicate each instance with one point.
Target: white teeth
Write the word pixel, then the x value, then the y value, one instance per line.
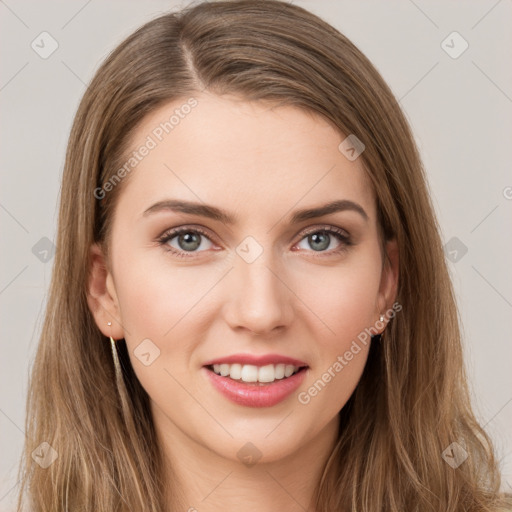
pixel 251 373
pixel 235 371
pixel 266 373
pixel 288 370
pixel 279 371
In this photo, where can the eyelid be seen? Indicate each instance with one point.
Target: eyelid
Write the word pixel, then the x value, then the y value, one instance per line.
pixel 184 228
pixel 325 227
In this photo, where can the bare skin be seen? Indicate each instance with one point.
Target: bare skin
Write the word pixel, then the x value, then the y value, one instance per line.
pixel 298 298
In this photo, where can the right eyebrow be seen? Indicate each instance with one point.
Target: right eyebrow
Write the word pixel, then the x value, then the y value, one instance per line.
pixel 192 208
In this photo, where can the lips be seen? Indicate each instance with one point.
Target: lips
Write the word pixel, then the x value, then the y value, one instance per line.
pixel 255 360
pixel 256 381
pixel 255 394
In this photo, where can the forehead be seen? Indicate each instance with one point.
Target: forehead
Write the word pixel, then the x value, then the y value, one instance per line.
pixel 255 157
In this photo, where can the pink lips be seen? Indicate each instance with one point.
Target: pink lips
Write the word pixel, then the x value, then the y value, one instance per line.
pixel 256 360
pixel 255 394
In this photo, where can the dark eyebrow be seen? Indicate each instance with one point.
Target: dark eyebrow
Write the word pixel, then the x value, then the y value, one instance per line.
pixel 332 207
pixel 215 213
pixel 193 208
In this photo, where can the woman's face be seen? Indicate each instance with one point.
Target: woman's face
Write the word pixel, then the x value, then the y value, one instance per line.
pixel 251 279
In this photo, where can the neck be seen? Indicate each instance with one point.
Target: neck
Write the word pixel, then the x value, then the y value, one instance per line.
pixel 202 480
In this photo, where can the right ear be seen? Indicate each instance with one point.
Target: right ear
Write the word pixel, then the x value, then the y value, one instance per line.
pixel 102 296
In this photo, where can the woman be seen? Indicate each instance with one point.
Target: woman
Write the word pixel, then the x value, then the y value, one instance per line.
pixel 250 305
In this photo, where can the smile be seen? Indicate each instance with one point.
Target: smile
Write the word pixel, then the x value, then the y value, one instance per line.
pixel 252 373
pixel 260 384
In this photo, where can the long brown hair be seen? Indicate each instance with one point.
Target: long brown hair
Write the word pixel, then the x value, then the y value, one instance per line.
pixel 412 401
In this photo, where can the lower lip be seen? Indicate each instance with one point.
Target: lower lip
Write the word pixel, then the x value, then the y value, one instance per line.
pixel 252 394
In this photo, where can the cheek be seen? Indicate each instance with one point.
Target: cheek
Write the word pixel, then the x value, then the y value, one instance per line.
pixel 342 299
pixel 155 302
pixel 153 296
pixel 160 302
pixel 345 303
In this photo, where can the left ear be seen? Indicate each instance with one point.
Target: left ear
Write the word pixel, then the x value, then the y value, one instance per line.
pixel 389 279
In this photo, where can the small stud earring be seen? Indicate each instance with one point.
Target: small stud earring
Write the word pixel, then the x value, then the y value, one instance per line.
pixel 381 318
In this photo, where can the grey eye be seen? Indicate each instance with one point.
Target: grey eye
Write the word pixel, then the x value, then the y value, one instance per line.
pixel 188 241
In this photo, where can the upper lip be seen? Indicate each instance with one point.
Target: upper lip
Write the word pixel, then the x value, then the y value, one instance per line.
pixel 255 360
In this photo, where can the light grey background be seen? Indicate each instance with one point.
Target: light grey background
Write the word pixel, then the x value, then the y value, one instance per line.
pixel 459 108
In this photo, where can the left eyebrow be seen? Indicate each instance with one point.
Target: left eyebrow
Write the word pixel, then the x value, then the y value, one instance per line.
pixel 223 216
pixel 333 207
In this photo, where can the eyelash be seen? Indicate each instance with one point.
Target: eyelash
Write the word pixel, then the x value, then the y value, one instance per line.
pixel 340 234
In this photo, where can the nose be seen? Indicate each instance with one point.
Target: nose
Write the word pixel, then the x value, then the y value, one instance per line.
pixel 260 299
